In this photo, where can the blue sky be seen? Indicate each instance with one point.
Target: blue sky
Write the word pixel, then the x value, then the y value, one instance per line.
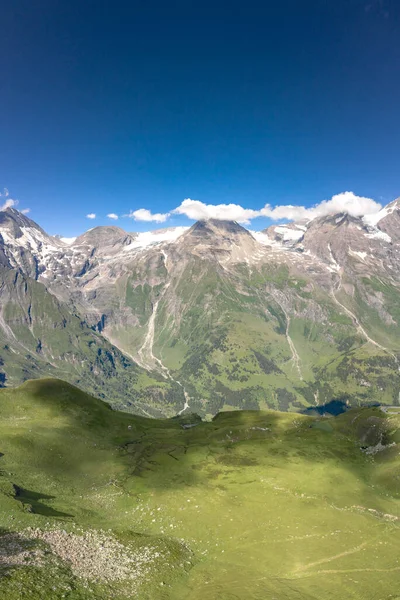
pixel 112 107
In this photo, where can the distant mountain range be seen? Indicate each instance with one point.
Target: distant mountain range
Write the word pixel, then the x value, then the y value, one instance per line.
pixel 209 317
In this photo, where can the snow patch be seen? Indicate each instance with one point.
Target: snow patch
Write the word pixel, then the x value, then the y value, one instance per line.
pixel 68 240
pixel 334 264
pixel 379 235
pixel 362 255
pixel 289 234
pixel 148 238
pixel 262 238
pixel 374 219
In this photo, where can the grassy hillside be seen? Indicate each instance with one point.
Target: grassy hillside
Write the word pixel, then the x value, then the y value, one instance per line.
pixel 253 505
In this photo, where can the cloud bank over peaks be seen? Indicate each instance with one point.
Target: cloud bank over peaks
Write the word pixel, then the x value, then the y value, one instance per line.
pixel 346 202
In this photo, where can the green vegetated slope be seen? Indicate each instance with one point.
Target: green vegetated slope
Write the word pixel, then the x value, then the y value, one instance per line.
pixel 259 338
pixel 42 336
pixel 101 504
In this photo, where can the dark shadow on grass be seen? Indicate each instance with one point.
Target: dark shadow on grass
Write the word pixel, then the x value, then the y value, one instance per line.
pixel 32 501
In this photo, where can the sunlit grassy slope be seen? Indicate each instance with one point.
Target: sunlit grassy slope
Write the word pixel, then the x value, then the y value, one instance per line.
pixel 253 505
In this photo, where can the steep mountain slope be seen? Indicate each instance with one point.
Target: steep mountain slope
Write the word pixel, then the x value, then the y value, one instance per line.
pixel 97 504
pixel 41 335
pixel 299 314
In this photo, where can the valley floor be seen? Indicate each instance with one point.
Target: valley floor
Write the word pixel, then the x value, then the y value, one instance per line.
pixel 253 505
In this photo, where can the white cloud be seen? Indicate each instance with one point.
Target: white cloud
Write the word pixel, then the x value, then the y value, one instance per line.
pixel 91 216
pixel 112 216
pixel 143 214
pixel 346 202
pixel 8 203
pixel 25 211
pixel 194 209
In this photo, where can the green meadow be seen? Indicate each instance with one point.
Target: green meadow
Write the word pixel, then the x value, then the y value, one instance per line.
pixel 99 504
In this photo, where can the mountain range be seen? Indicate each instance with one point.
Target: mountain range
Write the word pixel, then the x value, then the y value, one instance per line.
pixel 207 318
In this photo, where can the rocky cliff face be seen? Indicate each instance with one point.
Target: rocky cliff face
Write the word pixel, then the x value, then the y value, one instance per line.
pixel 302 313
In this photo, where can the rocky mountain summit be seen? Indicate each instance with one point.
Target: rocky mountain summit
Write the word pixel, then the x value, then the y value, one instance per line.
pixel 207 317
